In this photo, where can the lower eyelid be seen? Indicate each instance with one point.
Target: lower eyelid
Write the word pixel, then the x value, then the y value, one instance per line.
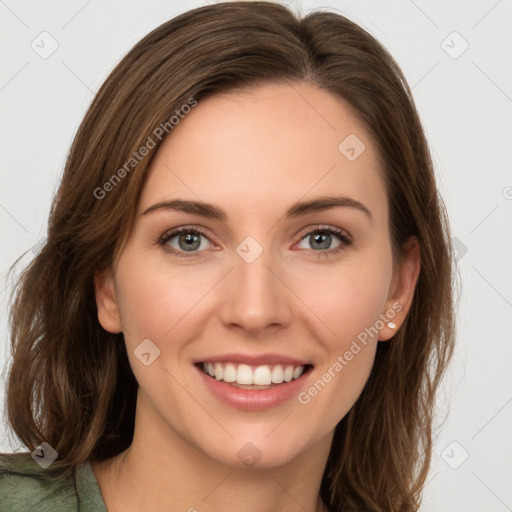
pixel 166 238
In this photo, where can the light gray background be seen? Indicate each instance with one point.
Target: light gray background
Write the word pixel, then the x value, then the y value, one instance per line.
pixel 466 106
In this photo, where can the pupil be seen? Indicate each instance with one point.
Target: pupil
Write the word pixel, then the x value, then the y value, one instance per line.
pixel 189 240
pixel 322 238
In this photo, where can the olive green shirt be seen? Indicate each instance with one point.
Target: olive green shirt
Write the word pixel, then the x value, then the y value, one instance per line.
pixel 26 487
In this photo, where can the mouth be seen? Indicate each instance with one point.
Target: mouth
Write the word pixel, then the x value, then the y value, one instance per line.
pixel 253 377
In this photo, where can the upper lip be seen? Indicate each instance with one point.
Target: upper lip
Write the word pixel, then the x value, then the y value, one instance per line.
pixel 254 360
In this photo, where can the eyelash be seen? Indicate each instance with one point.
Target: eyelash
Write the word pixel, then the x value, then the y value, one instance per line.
pixel 344 238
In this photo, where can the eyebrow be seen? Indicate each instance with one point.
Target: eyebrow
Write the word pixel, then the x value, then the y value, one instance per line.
pixel 297 209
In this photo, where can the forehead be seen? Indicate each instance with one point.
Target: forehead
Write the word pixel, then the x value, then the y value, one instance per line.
pixel 268 145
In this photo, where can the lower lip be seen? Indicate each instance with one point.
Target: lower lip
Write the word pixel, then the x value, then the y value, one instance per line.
pixel 254 400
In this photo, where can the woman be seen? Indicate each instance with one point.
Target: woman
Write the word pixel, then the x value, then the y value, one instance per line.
pixel 245 296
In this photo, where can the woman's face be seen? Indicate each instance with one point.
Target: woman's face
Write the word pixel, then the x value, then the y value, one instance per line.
pixel 262 285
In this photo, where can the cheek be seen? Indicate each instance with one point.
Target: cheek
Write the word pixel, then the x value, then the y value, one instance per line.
pixel 154 300
pixel 347 303
pixel 346 298
pixel 161 306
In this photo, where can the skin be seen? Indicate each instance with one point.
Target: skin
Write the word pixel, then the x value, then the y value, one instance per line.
pixel 252 154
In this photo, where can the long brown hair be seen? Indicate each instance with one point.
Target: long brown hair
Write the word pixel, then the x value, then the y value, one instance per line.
pixel 70 383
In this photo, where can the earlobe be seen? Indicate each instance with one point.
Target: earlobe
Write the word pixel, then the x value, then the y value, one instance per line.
pixel 402 290
pixel 106 302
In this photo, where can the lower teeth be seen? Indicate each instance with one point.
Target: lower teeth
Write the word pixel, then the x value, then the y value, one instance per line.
pixel 251 386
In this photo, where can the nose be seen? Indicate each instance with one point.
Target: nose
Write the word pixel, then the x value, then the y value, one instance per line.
pixel 254 297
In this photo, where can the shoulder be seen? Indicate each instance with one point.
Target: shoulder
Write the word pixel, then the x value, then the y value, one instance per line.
pixel 27 487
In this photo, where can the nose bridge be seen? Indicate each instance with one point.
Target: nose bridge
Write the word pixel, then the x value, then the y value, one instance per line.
pixel 256 298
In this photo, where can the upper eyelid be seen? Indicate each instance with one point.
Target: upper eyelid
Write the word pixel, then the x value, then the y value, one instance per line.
pixel 171 233
pixel 323 227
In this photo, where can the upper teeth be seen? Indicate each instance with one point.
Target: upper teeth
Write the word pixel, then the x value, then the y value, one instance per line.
pixel 263 375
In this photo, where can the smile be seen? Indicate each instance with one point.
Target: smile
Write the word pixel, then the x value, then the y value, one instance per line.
pixel 254 386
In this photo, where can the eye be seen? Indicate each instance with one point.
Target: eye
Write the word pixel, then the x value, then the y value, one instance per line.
pixel 322 237
pixel 181 241
pixel 187 242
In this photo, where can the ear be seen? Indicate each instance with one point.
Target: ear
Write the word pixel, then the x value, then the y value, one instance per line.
pixel 402 289
pixel 106 301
